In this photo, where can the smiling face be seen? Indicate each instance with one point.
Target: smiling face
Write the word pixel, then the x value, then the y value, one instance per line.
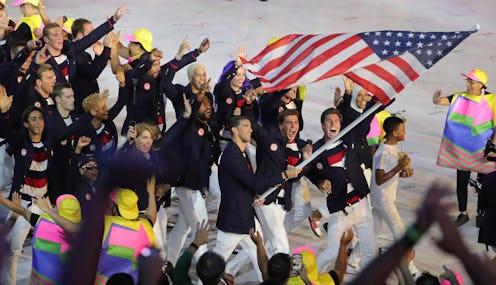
pixel 198 77
pixel 473 87
pixel 290 127
pixel 331 126
pixel 362 99
pixel 90 171
pixel 238 79
pixel 205 110
pixel 35 123
pixel 144 142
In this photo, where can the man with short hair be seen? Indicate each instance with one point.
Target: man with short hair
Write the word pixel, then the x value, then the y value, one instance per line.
pixel 239 187
pixel 31 147
pixel 200 150
pixel 62 54
pixel 88 69
pixel 340 176
pixel 58 119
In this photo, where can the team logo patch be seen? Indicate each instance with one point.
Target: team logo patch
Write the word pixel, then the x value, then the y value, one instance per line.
pixel 319 166
pixel 229 101
pixel 24 152
pixel 92 147
pixel 37 104
pixel 64 142
pixel 201 132
pixel 273 147
pixel 87 196
pixel 146 86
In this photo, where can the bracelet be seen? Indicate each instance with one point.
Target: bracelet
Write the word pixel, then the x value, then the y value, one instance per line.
pixel 194 245
pixel 412 235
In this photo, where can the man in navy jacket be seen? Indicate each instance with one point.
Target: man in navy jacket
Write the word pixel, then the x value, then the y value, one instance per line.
pixel 239 187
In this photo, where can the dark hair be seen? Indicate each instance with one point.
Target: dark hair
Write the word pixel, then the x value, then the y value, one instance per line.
pixel 427 279
pixel 330 111
pixel 57 90
pixel 391 124
pixel 278 267
pixel 29 110
pixel 235 121
pixel 78 26
pixel 287 112
pixel 120 279
pixel 210 268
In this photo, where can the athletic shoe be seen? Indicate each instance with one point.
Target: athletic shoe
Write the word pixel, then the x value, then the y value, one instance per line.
pixel 315 226
pixel 461 220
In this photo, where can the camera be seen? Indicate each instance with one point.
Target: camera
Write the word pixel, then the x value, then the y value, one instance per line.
pixel 296 263
pixel 38 43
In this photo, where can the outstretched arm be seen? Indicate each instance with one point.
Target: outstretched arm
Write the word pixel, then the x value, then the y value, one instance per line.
pixel 45 206
pixel 15 205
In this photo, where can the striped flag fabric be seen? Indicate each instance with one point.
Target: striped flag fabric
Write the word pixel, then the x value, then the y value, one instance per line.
pixel 382 62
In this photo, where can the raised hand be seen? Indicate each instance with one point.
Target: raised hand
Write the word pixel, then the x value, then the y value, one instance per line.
pixel 41 56
pixel 5 101
pixel 183 47
pixel 348 84
pixel 108 40
pixel 150 185
pixel 44 204
pixel 240 53
pixel 82 143
pixel 98 48
pixel 202 233
pixel 256 237
pixel 204 45
pixel 187 107
pixel 120 11
pixel 347 237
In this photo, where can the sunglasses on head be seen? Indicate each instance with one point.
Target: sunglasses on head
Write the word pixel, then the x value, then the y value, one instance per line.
pixel 90 167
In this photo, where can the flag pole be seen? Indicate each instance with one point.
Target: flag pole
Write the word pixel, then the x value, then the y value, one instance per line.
pixel 328 145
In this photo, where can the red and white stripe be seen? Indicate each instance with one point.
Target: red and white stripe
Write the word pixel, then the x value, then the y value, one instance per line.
pixel 389 77
pixel 301 59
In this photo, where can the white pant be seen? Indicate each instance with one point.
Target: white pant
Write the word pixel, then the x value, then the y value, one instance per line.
pixel 360 217
pixel 6 169
pixel 160 231
pixel 386 211
pixel 192 211
pixel 214 189
pixel 271 219
pixel 238 261
pixel 17 236
pixel 302 208
pixel 227 242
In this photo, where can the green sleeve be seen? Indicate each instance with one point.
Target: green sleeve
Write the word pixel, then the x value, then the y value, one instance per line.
pixel 180 275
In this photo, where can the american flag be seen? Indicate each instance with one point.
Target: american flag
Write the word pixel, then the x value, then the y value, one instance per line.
pixel 382 62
